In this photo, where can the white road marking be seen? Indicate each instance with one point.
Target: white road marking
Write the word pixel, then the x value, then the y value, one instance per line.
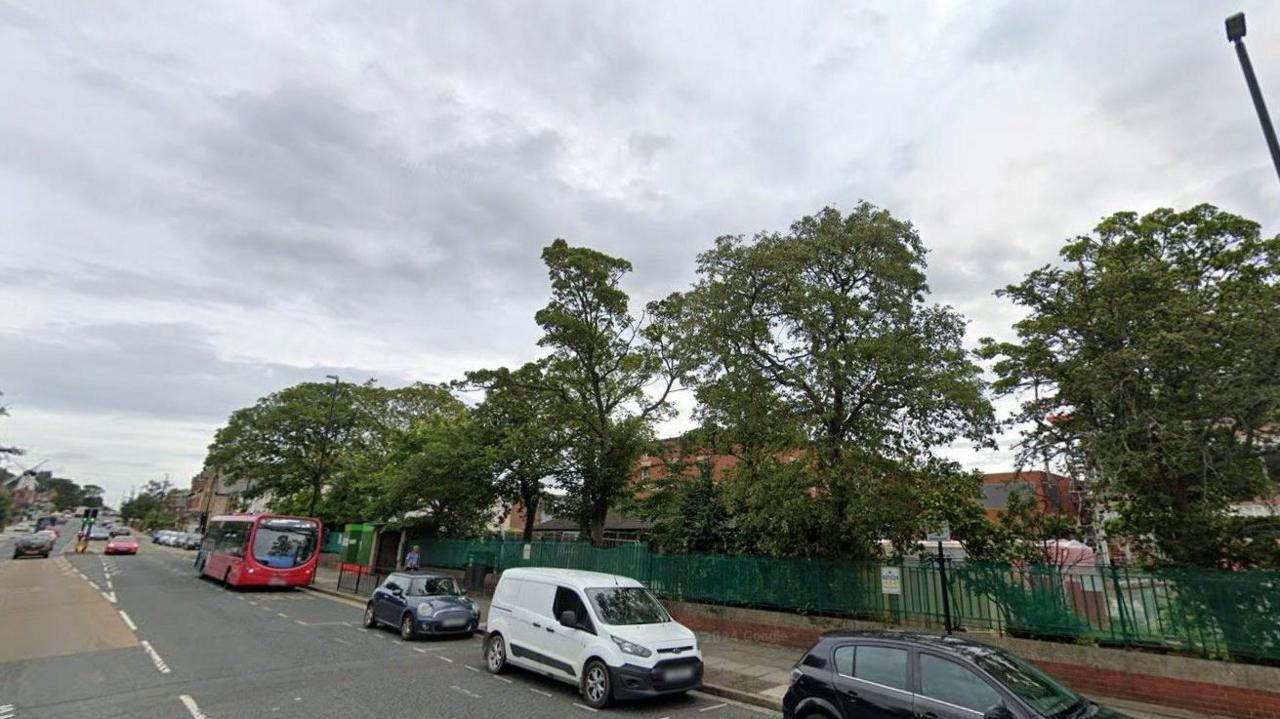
pixel 299 622
pixel 539 691
pixel 282 615
pixel 584 706
pixel 716 706
pixel 447 659
pixel 253 602
pixel 503 679
pixel 190 704
pixel 155 658
pixel 128 621
pixel 468 666
pixel 457 688
pixel 93 583
pixel 341 641
pixel 109 596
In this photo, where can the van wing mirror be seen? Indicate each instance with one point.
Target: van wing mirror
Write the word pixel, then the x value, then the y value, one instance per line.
pixel 568 618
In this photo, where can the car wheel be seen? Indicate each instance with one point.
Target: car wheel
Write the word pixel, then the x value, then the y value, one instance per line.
pixel 596 687
pixel 408 628
pixel 370 621
pixel 495 654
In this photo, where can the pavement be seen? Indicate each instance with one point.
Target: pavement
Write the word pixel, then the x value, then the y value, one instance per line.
pixel 757 673
pixel 142 637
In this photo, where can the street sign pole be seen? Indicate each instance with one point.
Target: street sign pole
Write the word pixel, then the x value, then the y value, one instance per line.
pixel 1235 34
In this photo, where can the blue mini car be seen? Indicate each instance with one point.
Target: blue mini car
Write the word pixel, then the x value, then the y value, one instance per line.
pixel 421 603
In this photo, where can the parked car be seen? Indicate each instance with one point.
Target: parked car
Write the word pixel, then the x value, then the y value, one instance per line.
pixel 422 603
pixel 32 544
pixel 118 531
pixel 98 533
pixel 190 540
pixel 850 674
pixel 155 535
pixel 602 632
pixel 124 544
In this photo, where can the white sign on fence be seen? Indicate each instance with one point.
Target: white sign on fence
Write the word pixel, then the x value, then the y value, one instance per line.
pixel 528 552
pixel 890 580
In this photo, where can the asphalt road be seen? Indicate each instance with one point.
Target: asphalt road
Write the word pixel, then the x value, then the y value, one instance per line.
pixel 140 636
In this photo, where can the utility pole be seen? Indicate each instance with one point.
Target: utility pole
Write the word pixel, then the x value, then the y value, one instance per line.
pixel 1235 35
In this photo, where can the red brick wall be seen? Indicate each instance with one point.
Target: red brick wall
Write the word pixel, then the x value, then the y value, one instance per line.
pixel 1219 699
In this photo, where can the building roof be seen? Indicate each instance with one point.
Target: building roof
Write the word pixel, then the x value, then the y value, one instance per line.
pixel 613 522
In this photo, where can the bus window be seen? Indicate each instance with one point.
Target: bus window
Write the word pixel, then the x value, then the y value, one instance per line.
pixel 284 543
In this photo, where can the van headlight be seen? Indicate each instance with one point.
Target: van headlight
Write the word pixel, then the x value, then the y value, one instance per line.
pixel 630 647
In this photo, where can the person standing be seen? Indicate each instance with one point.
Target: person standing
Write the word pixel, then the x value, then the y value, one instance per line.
pixel 412 559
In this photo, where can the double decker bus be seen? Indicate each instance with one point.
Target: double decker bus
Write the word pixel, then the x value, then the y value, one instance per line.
pixel 260 550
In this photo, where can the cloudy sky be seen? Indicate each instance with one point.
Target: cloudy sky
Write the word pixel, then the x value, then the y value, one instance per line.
pixel 203 202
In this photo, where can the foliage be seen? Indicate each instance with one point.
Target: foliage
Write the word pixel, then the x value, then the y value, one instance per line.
pixel 602 365
pixel 66 493
pixel 5 449
pixel 823 335
pixel 686 503
pixel 1152 353
pixel 518 425
pixel 6 507
pixel 148 505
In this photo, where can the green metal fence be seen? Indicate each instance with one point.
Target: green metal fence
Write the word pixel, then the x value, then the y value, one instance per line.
pixel 1225 615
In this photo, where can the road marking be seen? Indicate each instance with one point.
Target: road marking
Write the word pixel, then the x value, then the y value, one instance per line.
pixel 190 704
pixel 539 691
pixel 7 711
pixel 503 679
pixel 584 706
pixel 128 621
pixel 109 596
pixel 282 615
pixel 155 658
pixel 447 659
pixel 468 666
pixel 299 622
pixel 109 587
pixel 93 583
pixel 457 688
pixel 253 602
pixel 716 706
pixel 341 641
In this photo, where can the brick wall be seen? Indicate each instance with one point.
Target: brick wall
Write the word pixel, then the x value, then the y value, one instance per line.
pixel 1218 688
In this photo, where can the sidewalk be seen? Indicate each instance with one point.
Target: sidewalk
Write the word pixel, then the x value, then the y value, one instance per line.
pixel 754 672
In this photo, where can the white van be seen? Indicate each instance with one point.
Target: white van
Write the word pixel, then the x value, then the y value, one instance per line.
pixel 604 633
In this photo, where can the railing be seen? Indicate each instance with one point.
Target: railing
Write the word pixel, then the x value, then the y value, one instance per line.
pixel 358 579
pixel 1226 615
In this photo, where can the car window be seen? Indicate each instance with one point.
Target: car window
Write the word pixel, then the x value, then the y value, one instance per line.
pixel 537 597
pixel 844 661
pixel 886 666
pixel 568 600
pixel 953 683
pixel 394 581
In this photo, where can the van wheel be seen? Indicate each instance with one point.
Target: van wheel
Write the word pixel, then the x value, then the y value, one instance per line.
pixel 596 687
pixel 369 620
pixel 495 654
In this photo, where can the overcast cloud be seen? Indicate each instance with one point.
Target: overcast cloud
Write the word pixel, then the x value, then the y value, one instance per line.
pixel 204 202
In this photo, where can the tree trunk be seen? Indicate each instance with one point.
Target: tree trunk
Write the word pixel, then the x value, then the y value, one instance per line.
pixel 530 515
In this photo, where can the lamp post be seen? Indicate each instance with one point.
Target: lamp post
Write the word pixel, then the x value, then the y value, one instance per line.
pixel 1235 35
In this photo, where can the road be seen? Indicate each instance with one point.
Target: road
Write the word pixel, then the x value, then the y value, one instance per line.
pixel 140 636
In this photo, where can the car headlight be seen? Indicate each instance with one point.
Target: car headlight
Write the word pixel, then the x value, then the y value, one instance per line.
pixel 630 647
pixel 425 610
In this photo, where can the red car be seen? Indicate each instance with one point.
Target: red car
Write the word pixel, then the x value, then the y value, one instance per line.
pixel 124 544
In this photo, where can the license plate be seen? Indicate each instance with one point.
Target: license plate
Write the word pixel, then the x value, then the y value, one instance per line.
pixel 678 674
pixel 276 582
pixel 453 623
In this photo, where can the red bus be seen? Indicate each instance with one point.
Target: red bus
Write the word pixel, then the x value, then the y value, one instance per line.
pixel 260 550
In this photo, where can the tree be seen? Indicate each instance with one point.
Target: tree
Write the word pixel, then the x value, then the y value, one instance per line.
pixel 66 493
pixel 6 506
pixel 6 449
pixel 518 424
pixel 821 338
pixel 148 505
pixel 1151 355
pixel 604 364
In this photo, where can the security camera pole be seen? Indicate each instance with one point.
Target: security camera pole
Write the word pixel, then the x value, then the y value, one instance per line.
pixel 1235 34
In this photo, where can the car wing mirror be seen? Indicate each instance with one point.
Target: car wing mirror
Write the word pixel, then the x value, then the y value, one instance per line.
pixel 568 618
pixel 999 711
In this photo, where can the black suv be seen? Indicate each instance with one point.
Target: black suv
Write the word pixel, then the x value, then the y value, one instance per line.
pixel 892 675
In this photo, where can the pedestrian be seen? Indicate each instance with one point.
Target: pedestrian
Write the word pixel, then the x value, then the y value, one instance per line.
pixel 412 558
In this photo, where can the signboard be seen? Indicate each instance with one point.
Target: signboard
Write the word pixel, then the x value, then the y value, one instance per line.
pixel 528 552
pixel 939 534
pixel 891 580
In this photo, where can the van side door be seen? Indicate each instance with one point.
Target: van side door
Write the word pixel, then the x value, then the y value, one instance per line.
pixel 535 634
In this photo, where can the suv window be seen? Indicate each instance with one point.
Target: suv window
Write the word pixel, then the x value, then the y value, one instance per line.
pixel 947 681
pixel 886 666
pixel 567 599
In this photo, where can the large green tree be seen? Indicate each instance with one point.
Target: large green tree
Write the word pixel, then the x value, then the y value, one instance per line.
pixel 148 505
pixel 609 373
pixel 6 506
pixel 821 338
pixel 1149 362
pixel 519 425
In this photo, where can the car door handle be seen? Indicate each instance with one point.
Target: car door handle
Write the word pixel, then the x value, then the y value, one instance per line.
pixel 928 715
pixel 537 625
pixel 851 693
pixel 552 631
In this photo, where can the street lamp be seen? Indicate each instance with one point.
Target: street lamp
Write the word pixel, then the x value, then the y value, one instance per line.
pixel 1235 34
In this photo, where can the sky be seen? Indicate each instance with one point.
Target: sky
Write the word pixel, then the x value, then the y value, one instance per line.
pixel 201 203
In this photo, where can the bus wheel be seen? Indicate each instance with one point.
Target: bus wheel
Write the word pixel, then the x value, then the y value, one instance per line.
pixel 408 630
pixel 226 579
